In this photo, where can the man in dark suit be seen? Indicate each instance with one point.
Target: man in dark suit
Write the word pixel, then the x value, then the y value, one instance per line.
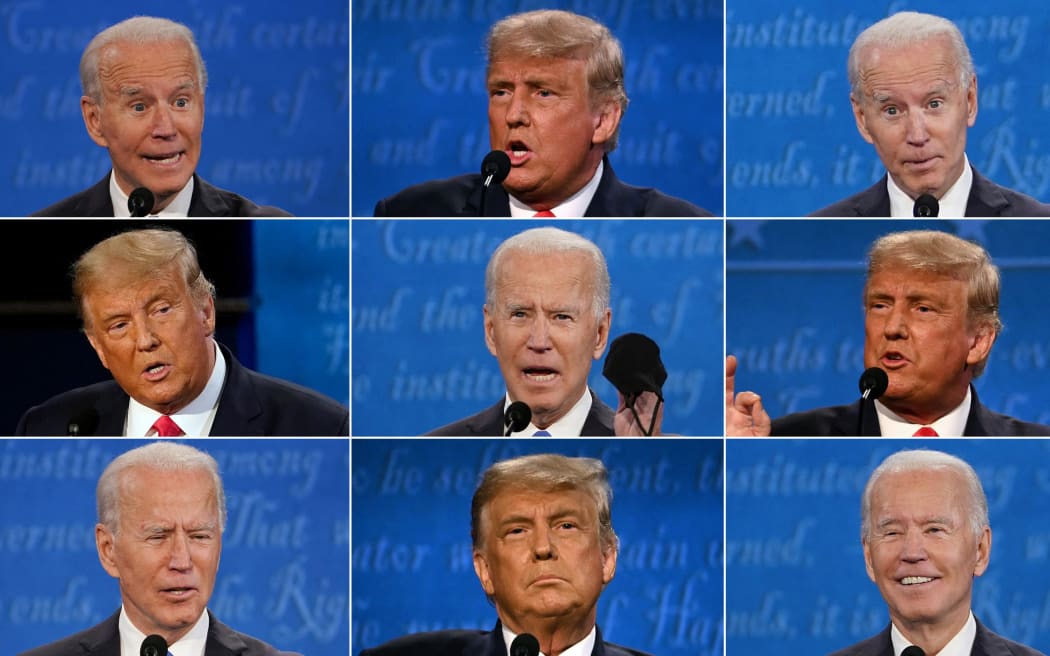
pixel 162 512
pixel 926 535
pixel 547 317
pixel 931 317
pixel 916 117
pixel 556 98
pixel 143 81
pixel 544 550
pixel 149 313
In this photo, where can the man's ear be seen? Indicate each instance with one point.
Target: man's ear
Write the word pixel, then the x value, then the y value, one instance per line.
pixel 606 121
pixel 92 114
pixel 106 550
pixel 859 117
pixel 481 568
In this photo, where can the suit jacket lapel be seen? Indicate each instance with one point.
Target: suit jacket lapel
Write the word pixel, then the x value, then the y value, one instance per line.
pixel 985 199
pixel 612 198
pixel 104 638
pixel 497 202
pixel 875 201
pixel 238 405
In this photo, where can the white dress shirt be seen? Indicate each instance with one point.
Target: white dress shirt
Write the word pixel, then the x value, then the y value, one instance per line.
pixel 178 207
pixel 570 425
pixel 960 645
pixel 582 648
pixel 191 644
pixel 951 205
pixel 575 206
pixel 950 425
pixel 195 419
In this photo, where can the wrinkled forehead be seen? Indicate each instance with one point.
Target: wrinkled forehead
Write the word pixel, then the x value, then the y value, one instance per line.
pixel 127 62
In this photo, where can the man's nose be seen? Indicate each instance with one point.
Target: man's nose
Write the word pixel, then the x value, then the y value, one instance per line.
pixel 896 326
pixel 539 334
pixel 543 545
pixel 163 122
pixel 145 337
pixel 179 558
pixel 917 135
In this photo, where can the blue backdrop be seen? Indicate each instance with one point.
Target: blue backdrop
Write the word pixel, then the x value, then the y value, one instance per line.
pixel 420 102
pixel 795 578
pixel 794 314
pixel 791 142
pixel 284 572
pixel 276 108
pixel 411 554
pixel 419 354
pixel 302 318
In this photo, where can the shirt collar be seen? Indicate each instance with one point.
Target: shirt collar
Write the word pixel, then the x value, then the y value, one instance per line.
pixel 178 207
pixel 570 425
pixel 191 644
pixel 582 648
pixel 196 418
pixel 952 204
pixel 950 425
pixel 960 645
pixel 574 206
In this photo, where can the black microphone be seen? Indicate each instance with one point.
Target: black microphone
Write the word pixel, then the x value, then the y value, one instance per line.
pixel 526 644
pixel 633 366
pixel 913 650
pixel 83 424
pixel 926 206
pixel 873 383
pixel 154 645
pixel 517 417
pixel 140 202
pixel 494 168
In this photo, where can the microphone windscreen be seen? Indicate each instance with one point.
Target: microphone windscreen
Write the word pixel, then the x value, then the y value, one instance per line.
pixel 634 366
pixel 926 206
pixel 140 202
pixel 154 645
pixel 525 644
pixel 518 416
pixel 913 650
pixel 84 423
pixel 874 381
pixel 496 164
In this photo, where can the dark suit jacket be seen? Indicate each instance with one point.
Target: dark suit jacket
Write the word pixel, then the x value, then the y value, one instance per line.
pixel 986 199
pixel 473 643
pixel 461 196
pixel 985 643
pixel 489 422
pixel 206 201
pixel 841 420
pixel 251 404
pixel 104 640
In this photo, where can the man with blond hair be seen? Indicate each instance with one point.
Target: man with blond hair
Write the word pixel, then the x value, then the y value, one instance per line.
pixel 931 317
pixel 556 94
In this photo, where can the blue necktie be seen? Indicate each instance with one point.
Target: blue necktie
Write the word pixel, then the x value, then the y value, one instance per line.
pixel 541 433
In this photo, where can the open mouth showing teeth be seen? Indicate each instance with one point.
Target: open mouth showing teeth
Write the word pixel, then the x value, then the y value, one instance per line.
pixel 157 368
pixel 164 159
pixel 914 580
pixel 540 375
pixel 178 591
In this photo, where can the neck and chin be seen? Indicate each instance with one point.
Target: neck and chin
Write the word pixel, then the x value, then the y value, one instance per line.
pixel 555 634
pixel 933 635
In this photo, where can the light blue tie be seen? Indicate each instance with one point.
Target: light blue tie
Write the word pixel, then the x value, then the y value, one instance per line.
pixel 541 433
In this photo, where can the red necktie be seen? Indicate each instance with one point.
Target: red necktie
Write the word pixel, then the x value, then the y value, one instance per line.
pixel 545 214
pixel 166 427
pixel 925 431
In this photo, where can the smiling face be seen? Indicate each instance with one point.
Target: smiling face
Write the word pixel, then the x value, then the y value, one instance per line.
pixel 917 330
pixel 152 337
pixel 166 551
pixel 540 114
pixel 541 560
pixel 915 112
pixel 921 550
pixel 543 330
pixel 151 115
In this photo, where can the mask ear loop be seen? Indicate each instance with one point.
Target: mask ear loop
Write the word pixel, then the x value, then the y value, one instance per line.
pixel 629 401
